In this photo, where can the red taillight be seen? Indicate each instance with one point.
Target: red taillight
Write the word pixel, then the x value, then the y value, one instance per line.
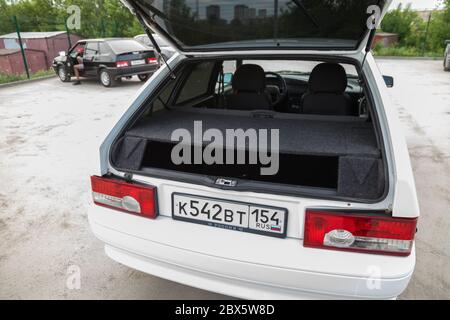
pixel 152 60
pixel 120 64
pixel 128 197
pixel 357 232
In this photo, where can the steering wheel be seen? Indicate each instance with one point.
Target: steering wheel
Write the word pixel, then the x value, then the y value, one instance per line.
pixel 277 92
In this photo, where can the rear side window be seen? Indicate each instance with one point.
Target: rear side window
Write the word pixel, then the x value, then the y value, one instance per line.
pixel 104 49
pixel 145 40
pixel 197 82
pixel 125 46
pixel 91 50
pixel 163 98
pixel 75 50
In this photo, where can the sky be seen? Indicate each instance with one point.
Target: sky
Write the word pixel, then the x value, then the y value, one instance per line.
pixel 417 4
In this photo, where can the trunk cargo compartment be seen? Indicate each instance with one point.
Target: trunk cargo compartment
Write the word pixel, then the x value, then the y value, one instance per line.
pixel 335 153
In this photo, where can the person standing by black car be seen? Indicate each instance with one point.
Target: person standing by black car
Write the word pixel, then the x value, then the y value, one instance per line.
pixel 78 65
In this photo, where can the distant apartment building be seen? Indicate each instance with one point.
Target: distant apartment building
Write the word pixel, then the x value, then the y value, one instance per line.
pixel 240 12
pixel 213 12
pixel 243 13
pixel 262 13
pixel 251 13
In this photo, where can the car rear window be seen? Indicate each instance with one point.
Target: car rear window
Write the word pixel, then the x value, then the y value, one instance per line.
pixel 122 46
pixel 237 24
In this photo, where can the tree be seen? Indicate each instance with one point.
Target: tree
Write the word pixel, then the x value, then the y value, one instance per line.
pixel 406 23
pixel 439 29
pixel 99 18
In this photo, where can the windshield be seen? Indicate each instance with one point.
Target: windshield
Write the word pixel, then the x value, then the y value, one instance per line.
pixel 287 67
pixel 122 46
pixel 227 24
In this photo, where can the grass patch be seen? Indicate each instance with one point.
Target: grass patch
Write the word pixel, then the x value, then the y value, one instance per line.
pixel 398 51
pixel 7 78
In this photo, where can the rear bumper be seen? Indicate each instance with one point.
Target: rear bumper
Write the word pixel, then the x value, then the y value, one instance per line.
pixel 131 71
pixel 246 265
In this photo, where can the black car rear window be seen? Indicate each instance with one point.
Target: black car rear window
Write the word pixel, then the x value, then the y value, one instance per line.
pixel 122 46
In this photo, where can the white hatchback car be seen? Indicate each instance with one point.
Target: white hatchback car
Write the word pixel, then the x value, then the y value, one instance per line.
pixel 265 159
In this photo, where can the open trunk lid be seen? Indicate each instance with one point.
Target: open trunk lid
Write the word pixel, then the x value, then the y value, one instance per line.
pixel 195 26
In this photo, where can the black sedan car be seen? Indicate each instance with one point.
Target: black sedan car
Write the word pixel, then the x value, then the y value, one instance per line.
pixel 167 50
pixel 108 60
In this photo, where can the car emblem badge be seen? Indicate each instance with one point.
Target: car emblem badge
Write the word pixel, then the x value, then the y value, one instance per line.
pixel 226 182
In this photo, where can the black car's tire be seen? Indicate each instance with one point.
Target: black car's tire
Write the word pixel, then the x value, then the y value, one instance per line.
pixel 63 74
pixel 106 79
pixel 445 60
pixel 143 77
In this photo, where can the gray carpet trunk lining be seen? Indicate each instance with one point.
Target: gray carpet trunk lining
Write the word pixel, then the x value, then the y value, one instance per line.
pixel 350 139
pixel 297 135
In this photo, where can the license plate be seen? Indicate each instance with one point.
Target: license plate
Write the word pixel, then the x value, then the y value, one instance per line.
pixel 233 215
pixel 137 62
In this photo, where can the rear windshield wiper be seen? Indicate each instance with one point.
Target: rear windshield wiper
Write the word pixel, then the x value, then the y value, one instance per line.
pixel 305 11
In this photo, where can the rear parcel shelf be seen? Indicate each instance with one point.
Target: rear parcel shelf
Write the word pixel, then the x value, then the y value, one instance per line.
pixel 339 154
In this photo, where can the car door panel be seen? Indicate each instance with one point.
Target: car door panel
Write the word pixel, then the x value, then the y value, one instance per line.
pixel 90 53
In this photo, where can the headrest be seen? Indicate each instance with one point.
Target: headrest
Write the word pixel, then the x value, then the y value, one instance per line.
pixel 328 77
pixel 249 78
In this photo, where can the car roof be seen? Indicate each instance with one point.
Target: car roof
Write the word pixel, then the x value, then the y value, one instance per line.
pixel 104 39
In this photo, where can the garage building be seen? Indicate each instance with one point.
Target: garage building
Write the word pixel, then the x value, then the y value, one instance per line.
pixel 50 43
pixel 11 61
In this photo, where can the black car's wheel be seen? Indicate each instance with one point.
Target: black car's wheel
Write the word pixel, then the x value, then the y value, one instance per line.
pixel 63 74
pixel 106 78
pixel 143 77
pixel 445 62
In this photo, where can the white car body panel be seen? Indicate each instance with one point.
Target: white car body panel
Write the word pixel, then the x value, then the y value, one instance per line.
pixel 242 269
pixel 405 198
pixel 232 262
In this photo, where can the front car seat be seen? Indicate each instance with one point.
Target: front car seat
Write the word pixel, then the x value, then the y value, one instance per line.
pixel 326 91
pixel 249 89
